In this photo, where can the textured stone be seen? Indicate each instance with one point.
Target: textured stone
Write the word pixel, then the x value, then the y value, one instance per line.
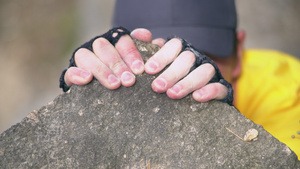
pixel 93 127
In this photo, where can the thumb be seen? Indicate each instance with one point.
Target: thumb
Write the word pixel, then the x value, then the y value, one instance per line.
pixel 75 75
pixel 142 34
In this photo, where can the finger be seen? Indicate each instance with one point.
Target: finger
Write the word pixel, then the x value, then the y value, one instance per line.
pixel 159 41
pixel 130 54
pixel 176 71
pixel 163 57
pixel 141 34
pixel 210 92
pixel 75 75
pixel 108 55
pixel 87 60
pixel 193 81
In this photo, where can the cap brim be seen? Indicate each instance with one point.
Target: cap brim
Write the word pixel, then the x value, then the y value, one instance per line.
pixel 217 42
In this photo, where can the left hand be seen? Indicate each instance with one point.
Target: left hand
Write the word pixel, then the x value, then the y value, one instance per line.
pixel 176 80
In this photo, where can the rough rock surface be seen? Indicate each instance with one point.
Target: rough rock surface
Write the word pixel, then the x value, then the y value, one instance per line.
pixel 92 127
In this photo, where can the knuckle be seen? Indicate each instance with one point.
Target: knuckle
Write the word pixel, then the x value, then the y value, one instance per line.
pixel 210 68
pixel 100 71
pixel 101 43
pixel 172 74
pixel 190 56
pixel 80 54
pixel 117 66
pixel 219 91
pixel 177 42
pixel 126 47
pixel 223 89
pixel 131 50
pixel 141 34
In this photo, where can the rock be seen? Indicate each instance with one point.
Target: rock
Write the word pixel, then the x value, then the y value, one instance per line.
pixel 93 127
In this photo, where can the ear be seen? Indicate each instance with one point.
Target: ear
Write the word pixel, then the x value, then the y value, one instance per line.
pixel 240 35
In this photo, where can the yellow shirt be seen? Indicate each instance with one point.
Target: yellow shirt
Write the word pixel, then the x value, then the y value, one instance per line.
pixel 268 93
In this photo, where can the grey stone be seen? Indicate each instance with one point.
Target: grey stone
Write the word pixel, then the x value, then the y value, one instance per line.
pixel 93 127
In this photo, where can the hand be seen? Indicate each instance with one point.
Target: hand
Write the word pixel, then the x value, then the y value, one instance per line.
pixel 177 81
pixel 112 65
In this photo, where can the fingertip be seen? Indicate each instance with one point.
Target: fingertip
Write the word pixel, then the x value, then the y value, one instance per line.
pixel 142 34
pixel 138 67
pixel 113 81
pixel 200 95
pixel 159 85
pixel 151 67
pixel 77 76
pixel 127 78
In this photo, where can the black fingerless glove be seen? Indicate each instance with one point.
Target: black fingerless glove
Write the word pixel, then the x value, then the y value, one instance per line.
pixel 112 36
pixel 201 58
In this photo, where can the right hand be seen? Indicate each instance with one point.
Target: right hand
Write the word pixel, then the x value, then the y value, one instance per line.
pixel 112 65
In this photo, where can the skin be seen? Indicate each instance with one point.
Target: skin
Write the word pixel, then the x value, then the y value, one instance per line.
pixel 116 66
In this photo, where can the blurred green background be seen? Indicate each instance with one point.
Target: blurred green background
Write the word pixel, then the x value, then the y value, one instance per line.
pixel 38 37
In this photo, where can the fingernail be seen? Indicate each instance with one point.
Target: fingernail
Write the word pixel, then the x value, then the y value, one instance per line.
pixel 112 79
pixel 160 83
pixel 85 74
pixel 152 66
pixel 127 77
pixel 202 94
pixel 176 89
pixel 138 67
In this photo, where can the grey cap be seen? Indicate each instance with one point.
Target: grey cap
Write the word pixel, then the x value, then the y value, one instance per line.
pixel 209 25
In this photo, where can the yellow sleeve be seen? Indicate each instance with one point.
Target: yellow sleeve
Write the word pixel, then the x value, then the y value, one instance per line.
pixel 268 93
